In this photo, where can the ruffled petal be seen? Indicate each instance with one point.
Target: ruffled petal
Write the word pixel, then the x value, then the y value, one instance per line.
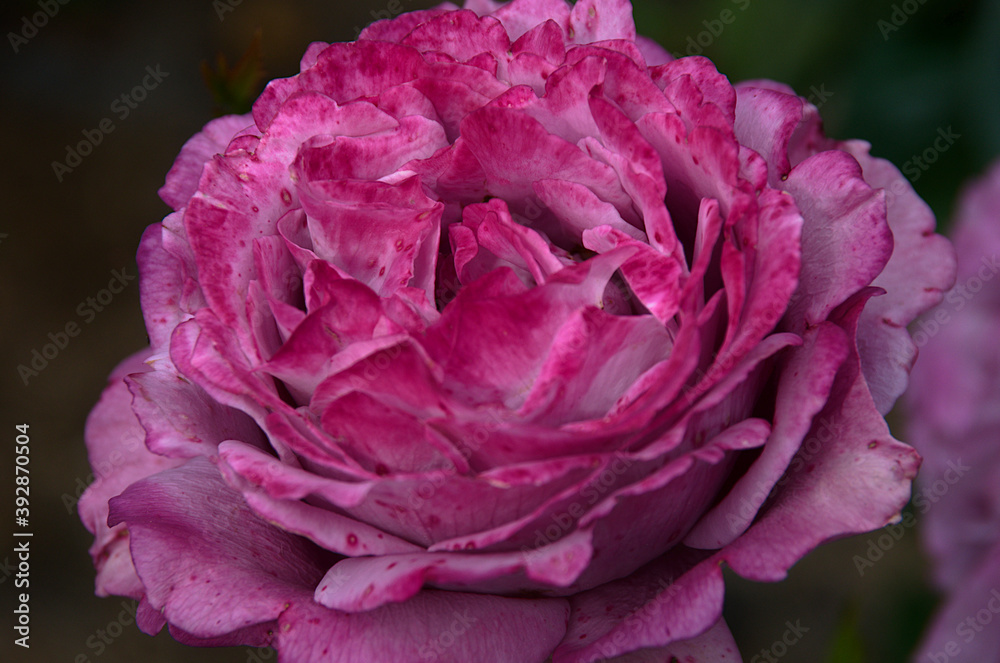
pixel 714 645
pixel 450 627
pixel 118 455
pixel 182 180
pixel 206 561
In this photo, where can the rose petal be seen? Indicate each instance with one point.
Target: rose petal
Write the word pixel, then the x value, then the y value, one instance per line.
pixel 115 444
pixel 714 645
pixel 360 584
pixel 182 180
pixel 235 571
pixel 447 626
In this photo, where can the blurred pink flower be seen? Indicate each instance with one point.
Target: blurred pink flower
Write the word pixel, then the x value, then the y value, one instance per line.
pixel 954 408
pixel 492 336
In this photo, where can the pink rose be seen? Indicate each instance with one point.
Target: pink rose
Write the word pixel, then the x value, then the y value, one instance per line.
pixel 955 423
pixel 492 336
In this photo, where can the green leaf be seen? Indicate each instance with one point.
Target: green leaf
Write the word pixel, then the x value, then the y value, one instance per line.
pixel 847 646
pixel 235 88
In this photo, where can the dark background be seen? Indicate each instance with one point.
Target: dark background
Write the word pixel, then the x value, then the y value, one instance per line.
pixel 60 241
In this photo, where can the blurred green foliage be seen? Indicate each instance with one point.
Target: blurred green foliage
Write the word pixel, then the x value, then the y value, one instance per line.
pixel 847 646
pixel 234 88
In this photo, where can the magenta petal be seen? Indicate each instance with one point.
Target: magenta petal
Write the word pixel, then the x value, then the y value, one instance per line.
pixel 359 584
pixel 544 41
pixel 528 153
pixel 182 180
pixel 871 470
pixel 214 221
pixel 807 377
pixel 776 258
pixel 765 122
pixel 520 16
pixel 256 635
pixel 653 53
pixel 662 603
pixel 115 442
pixel 593 359
pixel 283 481
pixel 424 509
pixel 919 272
pixel 514 328
pixel 161 284
pixel 497 240
pixel 651 275
pixel 203 349
pixel 699 91
pixel 845 239
pixel 371 156
pixel 450 627
pixel 328 529
pixel 380 234
pixel 343 313
pixel 181 420
pixel 631 519
pixel 716 645
pixel 230 569
pixel 380 436
pixel 596 20
pixel 399 374
pixel 395 29
pixel 640 171
pixel 460 34
pixel 344 72
pixel 579 209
